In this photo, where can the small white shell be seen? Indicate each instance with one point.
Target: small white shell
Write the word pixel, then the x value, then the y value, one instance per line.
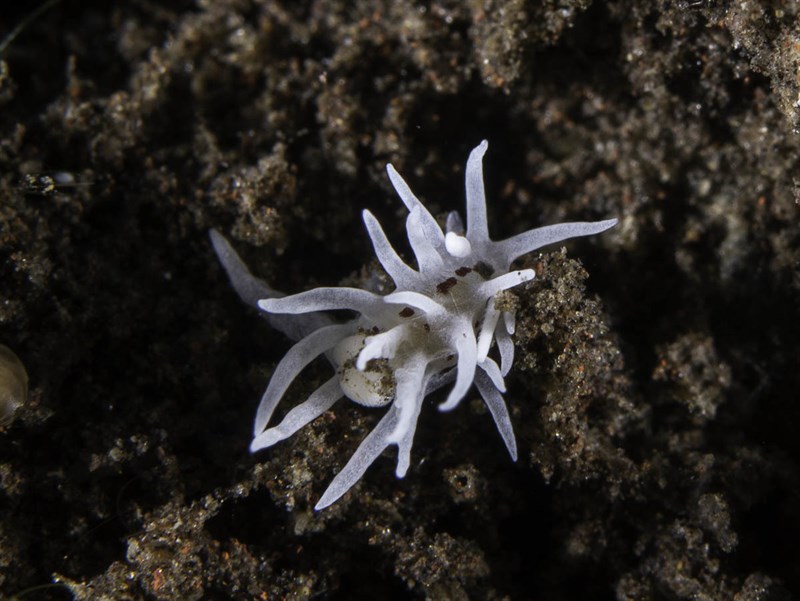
pixel 13 384
pixel 372 387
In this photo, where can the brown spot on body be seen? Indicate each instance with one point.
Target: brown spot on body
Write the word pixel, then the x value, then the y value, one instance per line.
pixel 484 270
pixel 407 312
pixel 462 271
pixel 445 286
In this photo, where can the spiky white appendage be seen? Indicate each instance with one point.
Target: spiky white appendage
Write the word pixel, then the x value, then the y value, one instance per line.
pixel 438 326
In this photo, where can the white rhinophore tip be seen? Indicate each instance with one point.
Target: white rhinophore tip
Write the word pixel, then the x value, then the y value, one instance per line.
pixel 457 246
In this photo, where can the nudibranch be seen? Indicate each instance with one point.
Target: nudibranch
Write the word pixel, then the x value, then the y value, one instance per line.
pixel 438 327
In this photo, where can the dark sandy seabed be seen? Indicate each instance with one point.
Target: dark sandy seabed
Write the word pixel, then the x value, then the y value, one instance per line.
pixel 655 394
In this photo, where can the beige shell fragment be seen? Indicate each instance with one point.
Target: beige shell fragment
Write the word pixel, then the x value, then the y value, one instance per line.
pixel 13 384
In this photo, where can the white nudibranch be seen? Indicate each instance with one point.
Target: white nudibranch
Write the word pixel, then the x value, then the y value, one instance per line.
pixel 437 327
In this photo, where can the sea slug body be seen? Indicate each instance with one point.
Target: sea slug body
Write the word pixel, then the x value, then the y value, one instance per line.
pixel 437 327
